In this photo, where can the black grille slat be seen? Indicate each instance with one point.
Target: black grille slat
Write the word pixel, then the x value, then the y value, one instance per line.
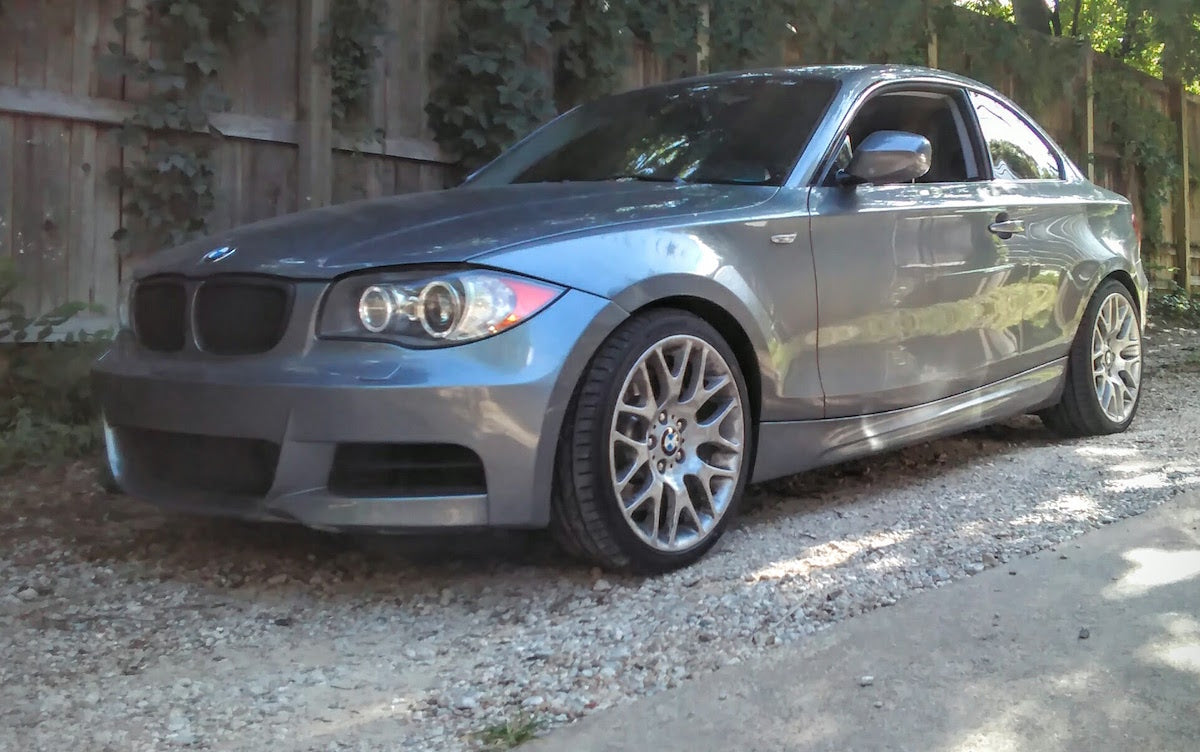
pixel 159 313
pixel 207 464
pixel 241 317
pixel 406 470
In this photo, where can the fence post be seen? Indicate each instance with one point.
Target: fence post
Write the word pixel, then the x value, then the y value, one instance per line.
pixel 933 49
pixel 1182 199
pixel 1089 88
pixel 315 173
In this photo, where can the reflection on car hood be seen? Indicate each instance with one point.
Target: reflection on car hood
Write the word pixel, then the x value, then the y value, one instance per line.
pixel 444 226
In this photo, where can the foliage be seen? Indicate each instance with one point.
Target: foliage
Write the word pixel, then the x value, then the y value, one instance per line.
pixel 1145 136
pixel 169 192
pixel 492 88
pixel 46 413
pixel 499 78
pixel 671 27
pixel 510 734
pixel 350 47
pixel 742 35
pixel 592 50
pixel 1035 70
pixel 1159 37
pixel 855 31
pixel 1175 306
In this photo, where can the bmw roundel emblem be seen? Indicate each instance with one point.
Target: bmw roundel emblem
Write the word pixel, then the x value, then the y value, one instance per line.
pixel 219 254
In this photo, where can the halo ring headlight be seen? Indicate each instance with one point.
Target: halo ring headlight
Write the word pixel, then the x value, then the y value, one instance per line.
pixel 376 308
pixel 439 309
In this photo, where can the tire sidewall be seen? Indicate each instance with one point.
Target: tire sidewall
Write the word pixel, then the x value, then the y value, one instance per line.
pixel 649 331
pixel 1081 361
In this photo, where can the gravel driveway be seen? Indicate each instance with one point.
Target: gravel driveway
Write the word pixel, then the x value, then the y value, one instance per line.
pixel 123 628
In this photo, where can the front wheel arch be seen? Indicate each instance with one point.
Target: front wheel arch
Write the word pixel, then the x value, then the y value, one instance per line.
pixel 733 333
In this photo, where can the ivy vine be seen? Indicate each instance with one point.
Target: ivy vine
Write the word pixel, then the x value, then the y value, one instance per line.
pixel 350 46
pixel 1144 136
pixel 593 50
pixel 168 193
pixel 494 86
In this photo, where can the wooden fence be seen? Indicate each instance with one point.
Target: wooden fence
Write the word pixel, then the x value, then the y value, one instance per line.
pixel 279 154
pixel 59 115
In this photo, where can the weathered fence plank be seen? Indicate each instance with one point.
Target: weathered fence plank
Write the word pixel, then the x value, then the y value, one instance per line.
pixel 316 133
pixel 1182 201
pixel 8 77
pixel 30 160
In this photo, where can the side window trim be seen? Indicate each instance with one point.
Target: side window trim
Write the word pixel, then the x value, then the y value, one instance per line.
pixel 979 142
pixel 1012 112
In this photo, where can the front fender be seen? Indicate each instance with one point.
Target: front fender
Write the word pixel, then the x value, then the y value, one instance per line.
pixel 642 268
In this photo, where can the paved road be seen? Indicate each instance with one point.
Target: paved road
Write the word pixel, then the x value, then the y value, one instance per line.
pixel 998 662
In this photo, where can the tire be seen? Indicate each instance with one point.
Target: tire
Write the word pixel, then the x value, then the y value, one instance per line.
pixel 612 460
pixel 1082 411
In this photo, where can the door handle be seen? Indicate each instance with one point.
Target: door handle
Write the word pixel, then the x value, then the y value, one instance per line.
pixel 1006 227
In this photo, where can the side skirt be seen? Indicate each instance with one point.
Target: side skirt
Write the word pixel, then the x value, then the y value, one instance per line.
pixel 787 448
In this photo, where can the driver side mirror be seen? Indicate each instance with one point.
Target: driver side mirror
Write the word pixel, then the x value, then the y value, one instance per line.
pixel 888 157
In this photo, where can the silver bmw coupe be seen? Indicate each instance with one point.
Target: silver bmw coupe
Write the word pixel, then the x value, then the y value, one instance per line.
pixel 651 301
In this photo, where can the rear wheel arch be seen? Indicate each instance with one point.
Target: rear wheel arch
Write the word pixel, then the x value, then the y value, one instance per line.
pixel 1126 279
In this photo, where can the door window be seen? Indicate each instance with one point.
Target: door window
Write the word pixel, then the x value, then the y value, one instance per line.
pixel 936 116
pixel 1017 151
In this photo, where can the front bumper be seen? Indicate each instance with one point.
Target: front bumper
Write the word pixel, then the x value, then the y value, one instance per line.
pixel 502 398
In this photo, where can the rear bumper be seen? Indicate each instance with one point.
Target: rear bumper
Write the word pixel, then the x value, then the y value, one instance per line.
pixel 503 399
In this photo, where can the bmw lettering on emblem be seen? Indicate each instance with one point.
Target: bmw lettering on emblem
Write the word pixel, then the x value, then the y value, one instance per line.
pixel 219 254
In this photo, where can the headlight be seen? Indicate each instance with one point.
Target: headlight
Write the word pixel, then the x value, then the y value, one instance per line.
pixel 421 309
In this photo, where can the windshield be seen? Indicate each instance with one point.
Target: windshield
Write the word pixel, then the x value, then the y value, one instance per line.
pixel 749 130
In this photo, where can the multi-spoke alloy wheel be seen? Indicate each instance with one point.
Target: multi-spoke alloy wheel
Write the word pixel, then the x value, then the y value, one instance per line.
pixel 1117 357
pixel 676 443
pixel 1104 368
pixel 656 446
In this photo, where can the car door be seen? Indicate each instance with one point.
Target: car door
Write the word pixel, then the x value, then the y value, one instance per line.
pixel 914 287
pixel 1044 216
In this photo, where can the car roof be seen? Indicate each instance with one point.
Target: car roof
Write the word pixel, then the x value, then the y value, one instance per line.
pixel 857 75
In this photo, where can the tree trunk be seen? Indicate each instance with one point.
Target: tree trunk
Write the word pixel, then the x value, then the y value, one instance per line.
pixel 1075 19
pixel 1032 14
pixel 1133 16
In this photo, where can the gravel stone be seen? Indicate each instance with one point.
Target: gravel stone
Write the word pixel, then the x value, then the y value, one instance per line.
pixel 122 627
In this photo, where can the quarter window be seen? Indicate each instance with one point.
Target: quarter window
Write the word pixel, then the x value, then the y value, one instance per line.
pixel 1018 152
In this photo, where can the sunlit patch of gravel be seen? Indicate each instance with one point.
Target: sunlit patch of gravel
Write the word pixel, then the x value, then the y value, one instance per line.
pixel 123 628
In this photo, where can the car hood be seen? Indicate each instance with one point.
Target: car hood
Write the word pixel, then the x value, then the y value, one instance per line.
pixel 440 227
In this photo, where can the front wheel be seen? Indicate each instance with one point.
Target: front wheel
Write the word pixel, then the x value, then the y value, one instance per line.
pixel 655 448
pixel 1104 368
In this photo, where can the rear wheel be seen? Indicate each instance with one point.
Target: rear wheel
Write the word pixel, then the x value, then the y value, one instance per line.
pixel 1104 368
pixel 655 447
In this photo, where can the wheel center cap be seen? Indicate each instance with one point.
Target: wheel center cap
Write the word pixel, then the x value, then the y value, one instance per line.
pixel 670 441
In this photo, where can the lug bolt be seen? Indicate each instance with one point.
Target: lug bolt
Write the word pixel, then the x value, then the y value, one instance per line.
pixel 662 417
pixel 650 441
pixel 680 424
pixel 679 456
pixel 662 465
